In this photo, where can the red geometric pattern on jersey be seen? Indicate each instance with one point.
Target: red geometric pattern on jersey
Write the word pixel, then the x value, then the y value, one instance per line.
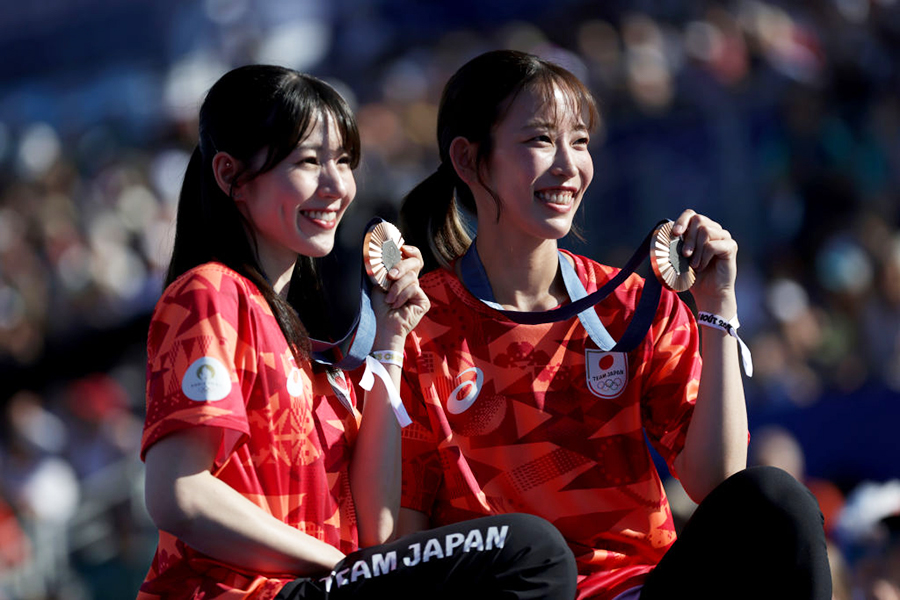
pixel 286 453
pixel 536 439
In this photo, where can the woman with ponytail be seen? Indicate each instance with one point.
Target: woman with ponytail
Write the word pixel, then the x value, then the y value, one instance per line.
pixel 267 479
pixel 514 409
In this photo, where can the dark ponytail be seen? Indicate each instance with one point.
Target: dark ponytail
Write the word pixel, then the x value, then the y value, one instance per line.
pixel 429 220
pixel 188 212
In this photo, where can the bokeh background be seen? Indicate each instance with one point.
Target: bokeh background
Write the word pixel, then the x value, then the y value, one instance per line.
pixel 780 119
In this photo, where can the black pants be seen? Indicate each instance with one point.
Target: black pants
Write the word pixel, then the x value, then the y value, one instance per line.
pixel 514 556
pixel 758 535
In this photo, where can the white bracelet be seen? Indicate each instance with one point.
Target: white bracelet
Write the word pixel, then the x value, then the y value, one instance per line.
pixel 388 357
pixel 729 327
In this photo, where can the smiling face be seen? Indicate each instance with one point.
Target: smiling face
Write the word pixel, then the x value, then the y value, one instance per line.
pixel 295 207
pixel 539 167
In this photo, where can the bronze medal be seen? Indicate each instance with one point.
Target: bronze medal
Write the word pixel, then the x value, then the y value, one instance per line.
pixel 381 252
pixel 670 266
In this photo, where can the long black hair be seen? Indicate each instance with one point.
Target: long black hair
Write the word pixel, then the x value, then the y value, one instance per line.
pixel 473 102
pixel 248 110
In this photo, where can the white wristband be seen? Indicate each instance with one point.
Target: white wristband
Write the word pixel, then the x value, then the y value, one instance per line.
pixel 388 357
pixel 729 327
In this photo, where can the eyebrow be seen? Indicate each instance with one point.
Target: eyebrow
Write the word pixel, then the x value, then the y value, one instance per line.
pixel 304 145
pixel 544 124
pixel 539 124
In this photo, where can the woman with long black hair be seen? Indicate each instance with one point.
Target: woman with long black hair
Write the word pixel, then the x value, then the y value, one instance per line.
pixel 264 474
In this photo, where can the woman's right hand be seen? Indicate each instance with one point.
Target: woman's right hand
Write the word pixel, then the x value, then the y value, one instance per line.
pixel 402 306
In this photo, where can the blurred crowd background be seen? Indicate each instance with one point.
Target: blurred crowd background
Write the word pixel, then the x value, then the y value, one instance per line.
pixel 780 119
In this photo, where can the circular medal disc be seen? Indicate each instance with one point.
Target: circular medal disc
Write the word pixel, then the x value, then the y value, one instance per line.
pixel 670 266
pixel 381 252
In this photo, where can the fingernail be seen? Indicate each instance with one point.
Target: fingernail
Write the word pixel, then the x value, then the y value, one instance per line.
pixel 394 272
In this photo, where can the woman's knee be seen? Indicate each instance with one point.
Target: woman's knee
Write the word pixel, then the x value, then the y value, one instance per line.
pixel 775 509
pixel 766 486
pixel 760 527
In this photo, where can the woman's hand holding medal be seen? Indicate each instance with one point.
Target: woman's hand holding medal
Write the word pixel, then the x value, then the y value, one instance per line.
pixel 398 301
pixel 711 253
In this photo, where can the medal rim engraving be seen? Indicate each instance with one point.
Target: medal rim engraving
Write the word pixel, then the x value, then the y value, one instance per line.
pixel 668 274
pixel 374 242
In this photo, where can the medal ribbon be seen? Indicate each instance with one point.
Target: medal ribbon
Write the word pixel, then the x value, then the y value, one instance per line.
pixel 373 367
pixel 475 280
pixel 351 350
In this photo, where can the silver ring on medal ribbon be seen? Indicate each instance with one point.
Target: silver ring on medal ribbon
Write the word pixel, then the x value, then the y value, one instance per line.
pixel 670 266
pixel 381 252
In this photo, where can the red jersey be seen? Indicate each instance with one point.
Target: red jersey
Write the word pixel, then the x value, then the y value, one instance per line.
pixel 534 418
pixel 217 358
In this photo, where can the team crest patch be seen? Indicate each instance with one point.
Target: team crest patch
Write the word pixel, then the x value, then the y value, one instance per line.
pixel 206 380
pixel 607 372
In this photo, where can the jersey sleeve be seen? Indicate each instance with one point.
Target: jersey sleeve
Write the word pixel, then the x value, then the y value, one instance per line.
pixel 673 378
pixel 421 467
pixel 195 360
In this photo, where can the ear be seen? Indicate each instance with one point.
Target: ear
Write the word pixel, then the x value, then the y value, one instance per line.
pixel 225 168
pixel 463 155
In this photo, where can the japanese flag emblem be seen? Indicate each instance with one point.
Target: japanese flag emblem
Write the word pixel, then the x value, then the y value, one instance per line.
pixel 607 372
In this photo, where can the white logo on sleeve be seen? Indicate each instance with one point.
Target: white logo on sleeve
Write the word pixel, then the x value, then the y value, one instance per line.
pixel 463 395
pixel 295 382
pixel 206 380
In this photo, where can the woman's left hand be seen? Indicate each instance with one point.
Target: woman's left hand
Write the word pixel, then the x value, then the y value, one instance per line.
pixel 402 306
pixel 712 253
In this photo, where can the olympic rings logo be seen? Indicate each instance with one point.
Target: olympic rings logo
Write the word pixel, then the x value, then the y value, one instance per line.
pixel 611 384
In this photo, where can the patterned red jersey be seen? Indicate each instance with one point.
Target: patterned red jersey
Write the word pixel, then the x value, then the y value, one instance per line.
pixel 217 358
pixel 534 418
